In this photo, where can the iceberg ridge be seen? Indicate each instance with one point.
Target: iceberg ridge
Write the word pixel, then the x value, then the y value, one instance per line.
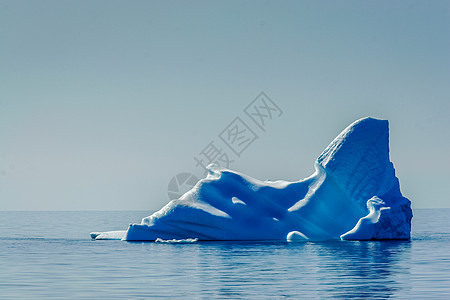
pixel 353 195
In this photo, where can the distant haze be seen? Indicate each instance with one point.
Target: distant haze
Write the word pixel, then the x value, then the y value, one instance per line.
pixel 102 103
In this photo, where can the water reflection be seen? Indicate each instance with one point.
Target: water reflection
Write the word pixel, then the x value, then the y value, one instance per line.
pixel 363 269
pixel 306 270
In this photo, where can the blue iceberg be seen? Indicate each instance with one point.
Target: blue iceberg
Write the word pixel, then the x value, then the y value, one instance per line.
pixel 353 195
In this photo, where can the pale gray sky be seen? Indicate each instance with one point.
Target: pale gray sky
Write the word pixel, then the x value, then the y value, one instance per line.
pixel 103 102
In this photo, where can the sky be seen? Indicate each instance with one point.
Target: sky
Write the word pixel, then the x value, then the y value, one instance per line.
pixel 102 103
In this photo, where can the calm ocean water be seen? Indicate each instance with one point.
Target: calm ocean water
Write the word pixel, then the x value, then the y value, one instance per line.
pixel 45 255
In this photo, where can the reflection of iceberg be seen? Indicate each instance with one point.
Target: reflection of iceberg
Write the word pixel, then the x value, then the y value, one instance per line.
pixel 369 270
pixel 353 194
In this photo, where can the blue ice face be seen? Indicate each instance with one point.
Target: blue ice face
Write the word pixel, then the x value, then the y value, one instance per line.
pixel 354 194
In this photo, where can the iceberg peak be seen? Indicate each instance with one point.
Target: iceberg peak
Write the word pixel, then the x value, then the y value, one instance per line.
pixel 354 194
pixel 358 159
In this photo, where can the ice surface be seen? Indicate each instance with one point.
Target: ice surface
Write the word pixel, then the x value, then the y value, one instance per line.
pixel 109 235
pixel 353 195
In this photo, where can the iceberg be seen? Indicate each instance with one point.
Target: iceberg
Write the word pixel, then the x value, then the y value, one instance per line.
pixel 352 195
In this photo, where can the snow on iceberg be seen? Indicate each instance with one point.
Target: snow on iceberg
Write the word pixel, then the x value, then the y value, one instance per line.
pixel 353 195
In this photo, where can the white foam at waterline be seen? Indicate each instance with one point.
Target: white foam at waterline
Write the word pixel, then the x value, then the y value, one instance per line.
pixel 175 241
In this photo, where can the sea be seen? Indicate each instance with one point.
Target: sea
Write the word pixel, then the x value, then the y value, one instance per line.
pixel 50 255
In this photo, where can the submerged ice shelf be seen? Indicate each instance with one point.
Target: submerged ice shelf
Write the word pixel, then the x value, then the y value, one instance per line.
pixel 353 195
